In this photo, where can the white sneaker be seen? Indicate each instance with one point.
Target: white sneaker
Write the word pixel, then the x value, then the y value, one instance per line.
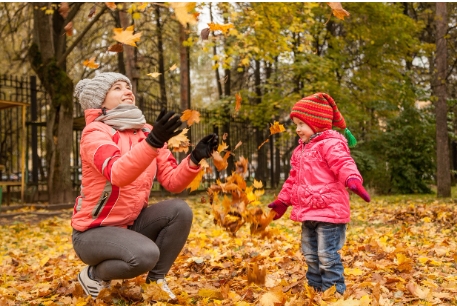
pixel 163 285
pixel 92 287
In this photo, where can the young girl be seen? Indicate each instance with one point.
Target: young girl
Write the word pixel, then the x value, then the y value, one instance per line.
pixel 115 232
pixel 322 168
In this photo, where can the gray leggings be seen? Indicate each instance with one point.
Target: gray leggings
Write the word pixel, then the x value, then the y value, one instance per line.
pixel 151 244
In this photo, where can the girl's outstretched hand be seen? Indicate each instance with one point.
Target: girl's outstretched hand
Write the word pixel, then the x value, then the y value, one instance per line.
pixel 279 208
pixel 355 185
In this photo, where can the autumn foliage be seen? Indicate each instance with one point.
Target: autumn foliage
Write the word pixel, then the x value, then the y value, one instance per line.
pixel 399 251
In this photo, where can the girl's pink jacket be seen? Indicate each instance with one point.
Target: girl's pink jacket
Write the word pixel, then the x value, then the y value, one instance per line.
pixel 118 169
pixel 316 186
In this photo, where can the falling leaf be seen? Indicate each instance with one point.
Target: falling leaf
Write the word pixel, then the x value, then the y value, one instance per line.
pixel 191 116
pixel 126 36
pixel 222 147
pixel 180 142
pixel 204 34
pixel 174 67
pixel 256 275
pixel 241 165
pixel 276 128
pixel 64 9
pixel 261 145
pixel 92 11
pixel 111 5
pixel 337 10
pixel 69 29
pixel 182 14
pixel 238 145
pixel 196 181
pixel 224 28
pixel 117 47
pixel 237 101
pixel 220 162
pixel 90 63
pixel 154 74
pixel 257 184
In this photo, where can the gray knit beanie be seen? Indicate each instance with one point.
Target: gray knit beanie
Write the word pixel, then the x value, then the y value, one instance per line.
pixel 92 92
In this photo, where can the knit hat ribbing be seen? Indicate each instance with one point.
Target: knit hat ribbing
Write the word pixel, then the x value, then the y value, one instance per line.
pixel 319 111
pixel 92 92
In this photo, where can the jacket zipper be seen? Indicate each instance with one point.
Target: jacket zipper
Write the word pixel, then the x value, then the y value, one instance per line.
pixel 105 196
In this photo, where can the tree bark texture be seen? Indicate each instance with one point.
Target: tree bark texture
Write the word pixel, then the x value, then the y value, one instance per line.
pixel 184 68
pixel 443 174
pixel 161 60
pixel 43 56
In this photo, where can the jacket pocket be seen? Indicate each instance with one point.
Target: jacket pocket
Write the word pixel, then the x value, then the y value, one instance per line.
pixel 319 197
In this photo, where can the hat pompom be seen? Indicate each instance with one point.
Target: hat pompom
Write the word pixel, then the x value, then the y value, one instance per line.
pixel 80 87
pixel 350 138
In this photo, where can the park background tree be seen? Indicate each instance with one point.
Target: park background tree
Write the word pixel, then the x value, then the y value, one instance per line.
pixel 271 56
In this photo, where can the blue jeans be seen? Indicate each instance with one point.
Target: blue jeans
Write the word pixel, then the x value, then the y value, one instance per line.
pixel 321 242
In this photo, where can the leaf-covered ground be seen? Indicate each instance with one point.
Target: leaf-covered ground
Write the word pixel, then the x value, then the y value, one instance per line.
pixel 399 251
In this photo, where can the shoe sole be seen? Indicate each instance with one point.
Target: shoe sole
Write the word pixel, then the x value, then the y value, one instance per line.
pixel 86 290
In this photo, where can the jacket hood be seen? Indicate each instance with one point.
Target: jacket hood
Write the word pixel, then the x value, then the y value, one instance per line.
pixel 91 114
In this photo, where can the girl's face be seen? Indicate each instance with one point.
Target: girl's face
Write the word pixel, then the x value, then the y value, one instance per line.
pixel 119 93
pixel 303 130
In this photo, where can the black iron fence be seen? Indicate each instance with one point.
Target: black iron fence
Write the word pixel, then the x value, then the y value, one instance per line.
pixel 271 166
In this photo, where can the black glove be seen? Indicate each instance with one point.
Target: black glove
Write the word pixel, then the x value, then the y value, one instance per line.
pixel 204 148
pixel 164 128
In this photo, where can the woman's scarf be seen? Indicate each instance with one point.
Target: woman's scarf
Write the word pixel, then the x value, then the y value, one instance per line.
pixel 123 117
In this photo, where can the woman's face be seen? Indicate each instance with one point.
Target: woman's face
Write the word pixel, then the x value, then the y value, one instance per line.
pixel 303 130
pixel 119 93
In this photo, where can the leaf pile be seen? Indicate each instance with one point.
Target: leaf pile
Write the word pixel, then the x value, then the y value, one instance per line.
pixel 398 252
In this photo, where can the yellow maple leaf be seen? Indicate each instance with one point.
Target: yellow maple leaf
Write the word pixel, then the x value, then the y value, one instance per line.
pixel 190 116
pixel 90 63
pixel 223 146
pixel 126 36
pixel 182 14
pixel 224 28
pixel 337 10
pixel 179 143
pixel 276 128
pixel 174 67
pixel 196 181
pixel 154 74
pixel 257 184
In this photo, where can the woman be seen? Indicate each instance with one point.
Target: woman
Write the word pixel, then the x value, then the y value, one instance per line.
pixel 115 232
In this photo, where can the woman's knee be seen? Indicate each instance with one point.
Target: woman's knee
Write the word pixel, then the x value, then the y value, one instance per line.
pixel 146 257
pixel 184 212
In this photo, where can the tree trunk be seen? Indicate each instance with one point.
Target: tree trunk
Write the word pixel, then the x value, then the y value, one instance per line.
pixel 184 68
pixel 261 171
pixel 161 61
pixel 59 128
pixel 443 174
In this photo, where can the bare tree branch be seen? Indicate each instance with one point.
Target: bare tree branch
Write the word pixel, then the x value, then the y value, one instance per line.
pixel 80 37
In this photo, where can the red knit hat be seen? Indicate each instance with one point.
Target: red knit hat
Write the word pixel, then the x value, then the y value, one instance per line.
pixel 320 112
